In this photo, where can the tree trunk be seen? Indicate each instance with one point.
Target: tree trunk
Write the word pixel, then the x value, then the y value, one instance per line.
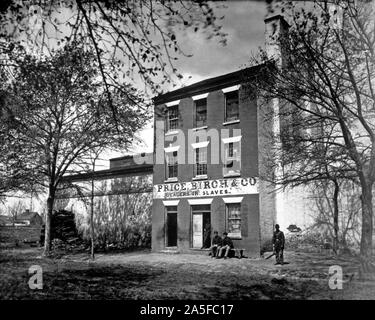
pixel 336 217
pixel 367 223
pixel 92 235
pixel 92 221
pixel 47 229
pixel 367 268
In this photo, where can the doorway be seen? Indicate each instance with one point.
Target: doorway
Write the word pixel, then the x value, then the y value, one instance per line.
pixel 201 226
pixel 171 226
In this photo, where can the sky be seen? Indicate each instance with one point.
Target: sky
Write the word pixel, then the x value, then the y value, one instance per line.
pixel 244 24
pixel 245 27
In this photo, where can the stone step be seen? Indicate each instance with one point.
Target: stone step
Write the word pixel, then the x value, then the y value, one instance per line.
pixel 204 252
pixel 170 251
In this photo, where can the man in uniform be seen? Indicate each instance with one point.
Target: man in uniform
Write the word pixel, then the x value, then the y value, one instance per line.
pixel 216 244
pixel 226 245
pixel 278 242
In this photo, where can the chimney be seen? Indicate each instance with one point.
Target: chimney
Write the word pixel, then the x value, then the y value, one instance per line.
pixel 276 28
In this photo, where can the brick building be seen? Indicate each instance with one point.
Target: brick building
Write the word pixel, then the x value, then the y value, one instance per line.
pixel 210 143
pixel 193 196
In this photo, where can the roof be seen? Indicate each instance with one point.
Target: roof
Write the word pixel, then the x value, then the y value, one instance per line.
pixel 128 160
pixel 113 172
pixel 127 157
pixel 27 215
pixel 208 85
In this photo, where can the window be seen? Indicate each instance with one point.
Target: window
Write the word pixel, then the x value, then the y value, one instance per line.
pixel 200 113
pixel 232 158
pixel 172 120
pixel 234 219
pixel 231 106
pixel 200 161
pixel 172 165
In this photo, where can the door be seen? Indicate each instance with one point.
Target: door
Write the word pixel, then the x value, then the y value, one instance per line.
pixel 197 230
pixel 171 229
pixel 206 230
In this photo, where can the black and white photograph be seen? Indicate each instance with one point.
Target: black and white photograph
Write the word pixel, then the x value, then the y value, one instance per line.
pixel 187 155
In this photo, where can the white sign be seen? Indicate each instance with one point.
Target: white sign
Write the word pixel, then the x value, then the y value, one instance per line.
pixel 206 188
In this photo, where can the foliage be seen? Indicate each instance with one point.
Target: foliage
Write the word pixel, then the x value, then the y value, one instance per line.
pixel 14 173
pixel 120 221
pixel 58 105
pixel 59 110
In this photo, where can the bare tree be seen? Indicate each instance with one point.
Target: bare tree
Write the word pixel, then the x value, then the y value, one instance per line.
pixel 329 200
pixel 326 79
pixel 59 106
pixel 14 172
pixel 130 38
pixel 15 209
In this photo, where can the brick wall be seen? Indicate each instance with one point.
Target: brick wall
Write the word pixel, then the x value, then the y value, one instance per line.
pixel 267 196
pixel 249 168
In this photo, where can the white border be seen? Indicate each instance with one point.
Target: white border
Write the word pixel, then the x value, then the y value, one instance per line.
pixel 193 202
pixel 232 139
pixel 173 103
pixel 233 200
pixel 202 144
pixel 171 149
pixel 168 203
pixel 200 96
pixel 230 89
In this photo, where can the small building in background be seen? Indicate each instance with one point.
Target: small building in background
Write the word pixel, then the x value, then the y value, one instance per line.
pixel 29 218
pixel 26 218
pixel 20 229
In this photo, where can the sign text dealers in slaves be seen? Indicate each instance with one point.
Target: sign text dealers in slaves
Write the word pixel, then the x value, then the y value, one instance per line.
pixel 206 188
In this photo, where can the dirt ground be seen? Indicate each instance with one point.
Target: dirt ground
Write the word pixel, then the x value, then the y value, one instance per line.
pixel 146 275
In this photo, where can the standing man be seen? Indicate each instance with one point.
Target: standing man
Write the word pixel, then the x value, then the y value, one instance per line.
pixel 216 244
pixel 278 242
pixel 226 245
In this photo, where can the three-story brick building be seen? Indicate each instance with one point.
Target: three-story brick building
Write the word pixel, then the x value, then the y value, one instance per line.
pixel 206 176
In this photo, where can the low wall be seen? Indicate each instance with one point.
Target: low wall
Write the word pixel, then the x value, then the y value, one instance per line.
pixel 10 234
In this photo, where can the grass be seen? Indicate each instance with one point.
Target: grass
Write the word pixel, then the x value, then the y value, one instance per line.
pixel 148 275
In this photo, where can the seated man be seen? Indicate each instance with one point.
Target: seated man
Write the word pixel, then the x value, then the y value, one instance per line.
pixel 216 244
pixel 226 245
